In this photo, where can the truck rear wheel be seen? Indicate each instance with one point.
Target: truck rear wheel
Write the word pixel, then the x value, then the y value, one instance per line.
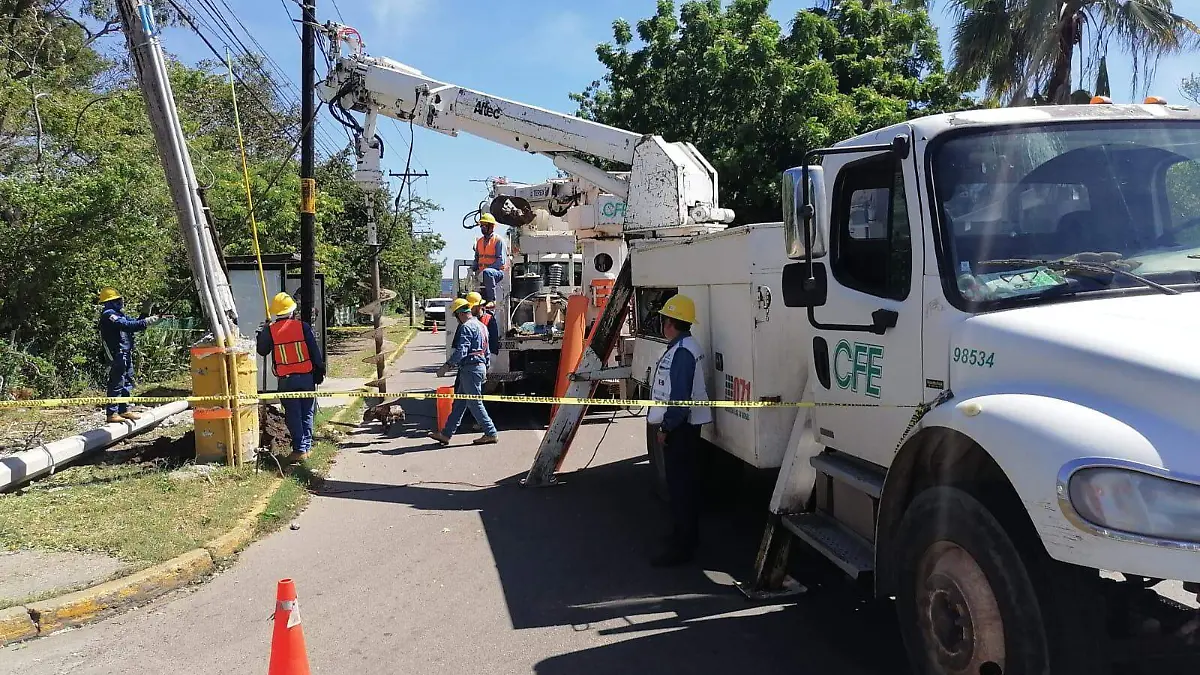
pixel 966 603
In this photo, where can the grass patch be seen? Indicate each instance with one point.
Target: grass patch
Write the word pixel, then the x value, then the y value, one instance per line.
pixel 22 428
pixel 348 348
pixel 138 513
pixel 293 493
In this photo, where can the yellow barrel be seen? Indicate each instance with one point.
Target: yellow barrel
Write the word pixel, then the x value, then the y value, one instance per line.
pixel 213 424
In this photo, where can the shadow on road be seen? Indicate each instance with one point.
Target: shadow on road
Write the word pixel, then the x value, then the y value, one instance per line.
pixel 576 555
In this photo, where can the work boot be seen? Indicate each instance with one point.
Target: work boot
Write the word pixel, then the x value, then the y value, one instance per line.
pixel 486 440
pixel 115 419
pixel 131 415
pixel 437 436
pixel 295 458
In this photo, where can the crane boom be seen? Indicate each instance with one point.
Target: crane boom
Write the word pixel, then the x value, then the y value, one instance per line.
pixel 670 185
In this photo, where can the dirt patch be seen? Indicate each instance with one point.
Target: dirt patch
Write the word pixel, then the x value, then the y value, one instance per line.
pixel 273 431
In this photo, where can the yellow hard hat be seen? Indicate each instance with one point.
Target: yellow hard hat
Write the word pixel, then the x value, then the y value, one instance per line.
pixel 680 307
pixel 487 218
pixel 282 304
pixel 460 305
pixel 474 298
pixel 108 293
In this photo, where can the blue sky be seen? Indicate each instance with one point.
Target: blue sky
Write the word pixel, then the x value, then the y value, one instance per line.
pixel 534 51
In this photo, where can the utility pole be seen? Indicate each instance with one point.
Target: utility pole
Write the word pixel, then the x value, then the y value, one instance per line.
pixel 412 289
pixel 308 181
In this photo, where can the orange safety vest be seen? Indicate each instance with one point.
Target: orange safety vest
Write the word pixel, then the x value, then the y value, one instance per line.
pixel 485 250
pixel 485 318
pixel 291 350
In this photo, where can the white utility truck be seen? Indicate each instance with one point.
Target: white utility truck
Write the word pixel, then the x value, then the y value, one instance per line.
pixel 994 315
pixel 990 312
pixel 563 238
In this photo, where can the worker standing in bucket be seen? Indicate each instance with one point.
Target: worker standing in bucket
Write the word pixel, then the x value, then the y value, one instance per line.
pixel 679 376
pixel 116 330
pixel 298 363
pixel 489 257
pixel 470 354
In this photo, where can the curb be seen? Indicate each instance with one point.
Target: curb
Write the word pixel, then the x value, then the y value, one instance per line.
pixel 227 545
pixel 75 609
pixel 78 608
pixel 15 625
pixel 400 347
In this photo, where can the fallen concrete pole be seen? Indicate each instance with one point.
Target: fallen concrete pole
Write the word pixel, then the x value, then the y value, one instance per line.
pixel 18 469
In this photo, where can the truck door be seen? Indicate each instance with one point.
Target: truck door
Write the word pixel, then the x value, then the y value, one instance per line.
pixel 870 377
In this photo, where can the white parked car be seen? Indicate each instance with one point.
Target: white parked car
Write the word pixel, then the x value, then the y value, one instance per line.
pixel 435 310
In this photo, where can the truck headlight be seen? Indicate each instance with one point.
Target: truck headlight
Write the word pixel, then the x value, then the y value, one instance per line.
pixel 1137 503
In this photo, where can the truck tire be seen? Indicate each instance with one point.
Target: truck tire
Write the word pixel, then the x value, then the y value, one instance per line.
pixel 966 602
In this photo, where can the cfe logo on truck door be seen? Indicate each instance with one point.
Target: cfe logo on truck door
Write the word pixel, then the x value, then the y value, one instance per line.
pixel 858 367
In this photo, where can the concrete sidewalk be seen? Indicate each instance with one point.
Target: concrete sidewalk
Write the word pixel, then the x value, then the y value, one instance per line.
pixel 417 559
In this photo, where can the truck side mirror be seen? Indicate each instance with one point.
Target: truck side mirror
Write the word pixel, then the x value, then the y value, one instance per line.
pixel 801 212
pixel 801 291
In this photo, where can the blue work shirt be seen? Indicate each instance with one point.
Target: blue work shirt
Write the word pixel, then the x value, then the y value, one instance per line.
pixel 470 346
pixel 683 373
pixel 264 345
pixel 499 263
pixel 117 330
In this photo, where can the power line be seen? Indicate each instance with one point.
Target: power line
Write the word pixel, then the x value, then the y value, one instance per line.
pixel 339 12
pixel 217 24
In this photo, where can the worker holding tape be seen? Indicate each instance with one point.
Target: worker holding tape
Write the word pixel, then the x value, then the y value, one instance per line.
pixel 297 361
pixel 469 353
pixel 116 330
pixel 679 376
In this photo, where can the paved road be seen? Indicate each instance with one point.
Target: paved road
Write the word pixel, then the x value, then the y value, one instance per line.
pixel 416 559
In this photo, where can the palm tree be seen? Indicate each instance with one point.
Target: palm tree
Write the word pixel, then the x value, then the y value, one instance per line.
pixel 1014 46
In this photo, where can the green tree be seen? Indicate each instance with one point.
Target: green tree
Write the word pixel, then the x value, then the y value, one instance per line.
pixel 753 98
pixel 1022 50
pixel 84 203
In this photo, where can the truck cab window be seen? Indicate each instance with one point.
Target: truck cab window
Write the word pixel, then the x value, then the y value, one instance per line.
pixel 1183 197
pixel 871 249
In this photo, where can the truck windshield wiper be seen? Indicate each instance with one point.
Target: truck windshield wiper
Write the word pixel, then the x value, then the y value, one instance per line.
pixel 1081 266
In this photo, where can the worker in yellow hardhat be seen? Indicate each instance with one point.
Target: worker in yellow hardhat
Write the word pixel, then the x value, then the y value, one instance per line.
pixel 488 319
pixel 297 361
pixel 469 353
pixel 679 376
pixel 116 330
pixel 489 257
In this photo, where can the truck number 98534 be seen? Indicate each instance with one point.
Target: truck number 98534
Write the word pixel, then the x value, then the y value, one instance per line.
pixel 974 357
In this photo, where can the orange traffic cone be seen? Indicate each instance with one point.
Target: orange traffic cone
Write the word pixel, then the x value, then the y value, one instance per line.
pixel 444 405
pixel 435 328
pixel 288 656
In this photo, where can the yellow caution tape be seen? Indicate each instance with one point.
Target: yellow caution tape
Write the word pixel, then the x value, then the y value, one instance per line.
pixel 419 396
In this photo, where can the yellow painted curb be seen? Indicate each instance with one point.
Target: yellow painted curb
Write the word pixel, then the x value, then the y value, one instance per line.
pixel 228 544
pixel 74 609
pixel 412 332
pixel 15 625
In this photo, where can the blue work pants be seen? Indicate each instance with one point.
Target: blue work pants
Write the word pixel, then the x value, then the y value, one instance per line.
pixel 490 278
pixel 120 380
pixel 299 411
pixel 470 381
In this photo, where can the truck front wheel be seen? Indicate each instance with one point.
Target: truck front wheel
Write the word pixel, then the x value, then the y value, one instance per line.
pixel 965 600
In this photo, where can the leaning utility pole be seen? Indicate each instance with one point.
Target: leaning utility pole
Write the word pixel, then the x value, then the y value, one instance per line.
pixel 308 181
pixel 212 285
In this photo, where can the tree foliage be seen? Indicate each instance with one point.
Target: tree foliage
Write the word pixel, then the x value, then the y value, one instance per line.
pixel 754 98
pixel 1024 50
pixel 84 202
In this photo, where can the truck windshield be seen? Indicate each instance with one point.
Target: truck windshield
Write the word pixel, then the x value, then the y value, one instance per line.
pixel 1070 209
